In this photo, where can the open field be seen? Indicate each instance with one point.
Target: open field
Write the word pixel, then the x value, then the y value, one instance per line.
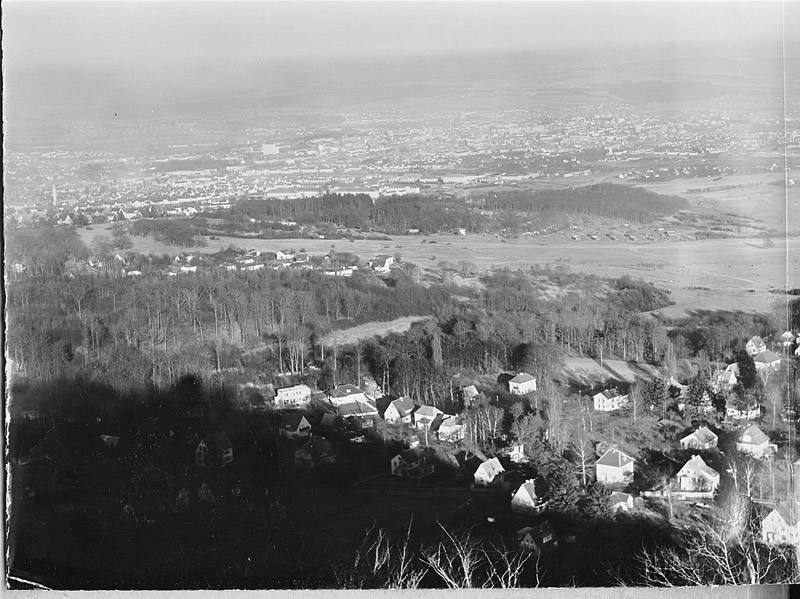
pixel 713 274
pixel 370 330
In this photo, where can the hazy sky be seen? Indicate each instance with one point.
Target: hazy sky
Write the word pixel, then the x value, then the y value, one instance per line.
pixel 118 34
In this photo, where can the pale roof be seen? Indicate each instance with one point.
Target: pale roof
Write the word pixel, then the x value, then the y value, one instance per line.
pixel 492 467
pixel 522 377
pixel 704 435
pixel 757 436
pixel 697 465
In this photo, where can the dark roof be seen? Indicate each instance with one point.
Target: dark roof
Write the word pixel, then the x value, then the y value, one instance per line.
pixel 404 406
pixel 767 357
pixel 522 377
pixel 217 442
pixel 538 532
pixel 757 436
pixel 291 421
pixel 346 391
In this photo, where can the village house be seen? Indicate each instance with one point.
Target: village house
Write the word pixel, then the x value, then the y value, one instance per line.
pixel 488 472
pixel 614 467
pixel 346 394
pixel 702 438
pixel 425 416
pixel 451 429
pixel 787 339
pixel 521 384
pixel 780 527
pixel 755 346
pixel 381 263
pixel 214 450
pixel 609 400
pixel 400 410
pixel 723 380
pixel 767 361
pixel 317 451
pixel 294 426
pixel 525 500
pixel 537 539
pixel 517 453
pixel 293 396
pixel 754 442
pixel 697 476
pixel 362 410
pixel 284 255
pixel 410 464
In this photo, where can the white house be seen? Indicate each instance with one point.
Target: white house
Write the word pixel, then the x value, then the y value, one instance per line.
pixel 780 527
pixel 755 346
pixel 399 410
pixel 487 472
pixel 517 453
pixel 525 500
pixel 346 393
pixel 293 396
pixel 451 429
pixel 522 383
pixel 614 467
pixel 724 379
pixel 284 255
pixel 469 393
pixel 609 400
pixel 425 415
pixel 696 475
pixel 702 438
pixel 754 442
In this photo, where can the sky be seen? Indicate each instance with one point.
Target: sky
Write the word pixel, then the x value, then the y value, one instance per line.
pixel 98 55
pixel 149 33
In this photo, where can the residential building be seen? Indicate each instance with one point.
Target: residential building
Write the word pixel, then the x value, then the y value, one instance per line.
pixel 381 263
pixel 754 442
pixel 346 394
pixel 293 396
pixel 425 416
pixel 315 452
pixel 525 500
pixel 609 400
pixel 702 438
pixel 621 502
pixel 411 464
pixel 697 476
pixel 400 410
pixel 214 450
pixel 488 472
pixel 521 384
pixel 755 346
pixel 451 429
pixel 614 467
pixel 294 426
pixel 767 361
pixel 781 527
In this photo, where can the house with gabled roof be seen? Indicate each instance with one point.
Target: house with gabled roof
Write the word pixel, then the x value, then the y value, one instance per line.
pixel 614 467
pixel 723 379
pixel 753 441
pixel 469 393
pixel 345 394
pixel 702 438
pixel 621 502
pixel 609 400
pixel 214 450
pixel 411 464
pixel 317 451
pixel 451 429
pixel 780 526
pixel 525 500
pixel 400 410
pixel 767 360
pixel 362 409
pixel 488 472
pixel 425 416
pixel 787 339
pixel 755 346
pixel 537 539
pixel 382 263
pixel 294 426
pixel 697 476
pixel 522 383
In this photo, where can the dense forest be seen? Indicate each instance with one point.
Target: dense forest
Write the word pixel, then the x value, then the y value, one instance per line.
pixel 485 212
